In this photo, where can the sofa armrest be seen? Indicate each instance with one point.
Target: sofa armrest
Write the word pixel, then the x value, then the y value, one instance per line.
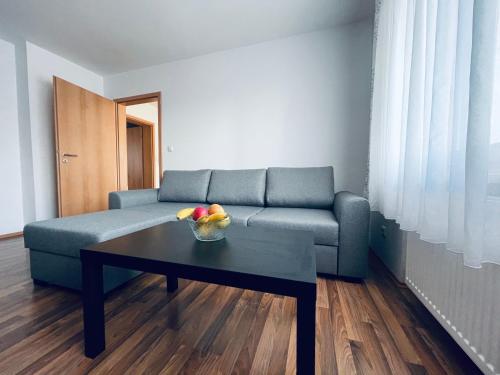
pixel 130 198
pixel 353 215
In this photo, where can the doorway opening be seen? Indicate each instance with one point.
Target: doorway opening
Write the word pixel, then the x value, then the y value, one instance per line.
pixel 140 141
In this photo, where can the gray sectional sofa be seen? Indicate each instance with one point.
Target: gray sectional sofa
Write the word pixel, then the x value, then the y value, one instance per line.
pixel 292 198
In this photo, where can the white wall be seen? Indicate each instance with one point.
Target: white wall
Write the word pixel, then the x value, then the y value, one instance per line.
pixel 299 101
pixel 28 188
pixel 42 65
pixel 149 112
pixel 11 199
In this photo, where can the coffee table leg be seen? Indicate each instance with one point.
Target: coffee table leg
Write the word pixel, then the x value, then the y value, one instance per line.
pixel 172 283
pixel 93 307
pixel 306 333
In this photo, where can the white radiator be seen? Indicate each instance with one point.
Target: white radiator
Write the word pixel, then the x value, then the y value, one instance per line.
pixel 466 301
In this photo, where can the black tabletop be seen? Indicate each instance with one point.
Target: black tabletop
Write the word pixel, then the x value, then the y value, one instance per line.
pixel 280 254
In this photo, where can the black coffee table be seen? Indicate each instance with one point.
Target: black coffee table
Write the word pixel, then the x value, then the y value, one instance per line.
pixel 273 261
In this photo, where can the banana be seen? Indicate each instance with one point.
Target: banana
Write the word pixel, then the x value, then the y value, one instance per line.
pixel 223 223
pixel 217 217
pixel 184 213
pixel 203 220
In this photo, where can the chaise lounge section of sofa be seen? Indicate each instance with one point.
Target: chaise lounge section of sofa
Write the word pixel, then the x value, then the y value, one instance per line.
pixel 290 198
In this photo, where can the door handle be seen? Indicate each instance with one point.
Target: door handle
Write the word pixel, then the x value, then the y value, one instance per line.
pixel 70 155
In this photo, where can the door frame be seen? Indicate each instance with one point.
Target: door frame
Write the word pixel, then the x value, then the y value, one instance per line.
pixel 148 98
pixel 138 121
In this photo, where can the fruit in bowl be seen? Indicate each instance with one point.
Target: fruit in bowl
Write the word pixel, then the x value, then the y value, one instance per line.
pixel 199 212
pixel 215 208
pixel 206 224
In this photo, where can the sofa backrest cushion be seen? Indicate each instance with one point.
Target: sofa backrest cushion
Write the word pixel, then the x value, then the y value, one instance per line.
pixel 184 186
pixel 300 187
pixel 239 187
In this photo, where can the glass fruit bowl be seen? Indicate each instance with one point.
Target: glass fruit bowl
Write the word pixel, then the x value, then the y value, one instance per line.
pixel 209 231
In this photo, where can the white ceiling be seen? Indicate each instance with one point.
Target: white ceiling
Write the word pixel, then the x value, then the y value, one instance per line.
pixel 114 36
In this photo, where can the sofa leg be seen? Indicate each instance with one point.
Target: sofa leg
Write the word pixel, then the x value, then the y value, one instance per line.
pixel 172 284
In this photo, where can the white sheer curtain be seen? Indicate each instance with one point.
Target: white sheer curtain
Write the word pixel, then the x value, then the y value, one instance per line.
pixel 435 122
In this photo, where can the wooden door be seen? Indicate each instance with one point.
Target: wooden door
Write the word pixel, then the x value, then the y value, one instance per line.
pixel 135 157
pixel 86 148
pixel 141 153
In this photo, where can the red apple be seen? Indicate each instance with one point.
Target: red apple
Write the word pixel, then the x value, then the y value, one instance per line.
pixel 199 212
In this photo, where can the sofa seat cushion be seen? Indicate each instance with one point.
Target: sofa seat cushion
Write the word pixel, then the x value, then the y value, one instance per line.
pixel 241 214
pixel 66 236
pixel 321 222
pixel 300 187
pixel 168 210
pixel 184 186
pixel 238 187
pixel 165 210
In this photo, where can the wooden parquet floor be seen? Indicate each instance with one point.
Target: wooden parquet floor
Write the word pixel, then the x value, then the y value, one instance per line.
pixel 374 327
